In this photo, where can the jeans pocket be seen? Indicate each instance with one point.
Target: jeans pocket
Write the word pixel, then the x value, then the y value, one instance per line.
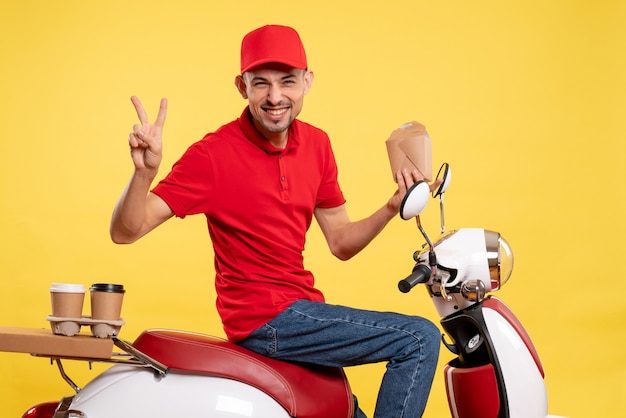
pixel 262 340
pixel 272 343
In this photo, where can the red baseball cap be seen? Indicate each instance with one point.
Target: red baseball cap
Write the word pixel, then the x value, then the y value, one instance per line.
pixel 272 43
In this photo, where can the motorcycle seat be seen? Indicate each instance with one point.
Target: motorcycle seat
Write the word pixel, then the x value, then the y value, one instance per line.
pixel 304 391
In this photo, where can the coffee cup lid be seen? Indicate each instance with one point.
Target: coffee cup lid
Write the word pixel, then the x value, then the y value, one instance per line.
pixel 67 288
pixel 107 287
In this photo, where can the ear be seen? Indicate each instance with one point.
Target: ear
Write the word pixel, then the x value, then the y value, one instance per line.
pixel 241 86
pixel 308 81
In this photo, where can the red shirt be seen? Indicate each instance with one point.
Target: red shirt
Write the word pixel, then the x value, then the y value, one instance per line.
pixel 259 202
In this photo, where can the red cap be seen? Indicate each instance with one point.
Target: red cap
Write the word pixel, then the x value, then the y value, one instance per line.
pixel 272 43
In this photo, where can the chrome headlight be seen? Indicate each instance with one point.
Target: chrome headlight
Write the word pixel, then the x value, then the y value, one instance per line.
pixel 499 258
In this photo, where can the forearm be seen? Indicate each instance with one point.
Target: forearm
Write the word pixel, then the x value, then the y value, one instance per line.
pixel 357 235
pixel 129 216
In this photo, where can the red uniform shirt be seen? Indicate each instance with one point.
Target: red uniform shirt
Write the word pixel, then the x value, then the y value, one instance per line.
pixel 259 202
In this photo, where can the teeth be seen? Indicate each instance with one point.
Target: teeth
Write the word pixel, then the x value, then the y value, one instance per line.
pixel 276 112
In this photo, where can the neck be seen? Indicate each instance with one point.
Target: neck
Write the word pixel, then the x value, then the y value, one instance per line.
pixel 277 139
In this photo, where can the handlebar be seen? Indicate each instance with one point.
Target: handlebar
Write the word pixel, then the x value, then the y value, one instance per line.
pixel 421 274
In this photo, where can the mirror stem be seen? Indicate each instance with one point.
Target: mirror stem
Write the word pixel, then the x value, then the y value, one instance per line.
pixel 432 257
pixel 419 225
pixel 443 225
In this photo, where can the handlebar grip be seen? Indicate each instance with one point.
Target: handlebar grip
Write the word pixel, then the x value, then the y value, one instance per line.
pixel 421 274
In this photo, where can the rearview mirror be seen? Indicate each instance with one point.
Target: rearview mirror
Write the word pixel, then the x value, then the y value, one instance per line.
pixel 415 200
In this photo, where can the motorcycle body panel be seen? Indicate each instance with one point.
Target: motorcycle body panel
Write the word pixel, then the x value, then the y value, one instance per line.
pixel 497 373
pixel 129 391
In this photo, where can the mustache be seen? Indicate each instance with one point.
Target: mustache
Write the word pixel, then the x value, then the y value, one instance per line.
pixel 279 104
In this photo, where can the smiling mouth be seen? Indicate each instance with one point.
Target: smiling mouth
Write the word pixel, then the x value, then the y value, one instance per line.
pixel 277 112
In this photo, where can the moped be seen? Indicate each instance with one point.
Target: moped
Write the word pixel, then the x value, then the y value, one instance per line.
pixel 496 371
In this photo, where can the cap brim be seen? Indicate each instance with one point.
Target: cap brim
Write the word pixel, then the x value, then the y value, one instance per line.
pixel 258 63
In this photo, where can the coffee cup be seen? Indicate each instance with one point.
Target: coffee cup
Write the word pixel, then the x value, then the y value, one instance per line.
pixel 106 301
pixel 67 300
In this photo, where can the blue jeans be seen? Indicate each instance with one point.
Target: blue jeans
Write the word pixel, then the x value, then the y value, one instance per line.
pixel 338 336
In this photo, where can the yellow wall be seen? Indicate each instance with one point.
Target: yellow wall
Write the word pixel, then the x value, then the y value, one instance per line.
pixel 526 100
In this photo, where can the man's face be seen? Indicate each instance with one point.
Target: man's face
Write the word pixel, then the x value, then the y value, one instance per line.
pixel 275 96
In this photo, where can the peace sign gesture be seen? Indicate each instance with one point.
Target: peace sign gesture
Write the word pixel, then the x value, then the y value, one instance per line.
pixel 146 145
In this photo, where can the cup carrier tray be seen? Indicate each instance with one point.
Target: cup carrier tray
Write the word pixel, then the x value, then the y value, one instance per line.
pixel 100 328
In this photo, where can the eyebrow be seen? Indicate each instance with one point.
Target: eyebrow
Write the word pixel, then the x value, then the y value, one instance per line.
pixel 285 77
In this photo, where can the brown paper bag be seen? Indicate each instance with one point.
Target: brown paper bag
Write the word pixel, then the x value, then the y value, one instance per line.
pixel 410 147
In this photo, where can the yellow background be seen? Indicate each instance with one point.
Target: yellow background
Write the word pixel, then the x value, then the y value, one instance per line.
pixel 524 99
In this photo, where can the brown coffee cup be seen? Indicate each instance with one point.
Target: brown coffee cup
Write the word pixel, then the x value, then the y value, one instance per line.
pixel 106 301
pixel 67 300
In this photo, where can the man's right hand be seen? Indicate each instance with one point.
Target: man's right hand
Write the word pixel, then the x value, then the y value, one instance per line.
pixel 146 145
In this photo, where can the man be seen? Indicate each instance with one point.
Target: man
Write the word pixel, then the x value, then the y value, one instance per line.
pixel 259 180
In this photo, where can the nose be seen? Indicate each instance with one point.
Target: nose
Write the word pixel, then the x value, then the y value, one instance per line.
pixel 274 94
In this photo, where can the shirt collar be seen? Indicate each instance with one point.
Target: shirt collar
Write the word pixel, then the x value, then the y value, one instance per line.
pixel 254 136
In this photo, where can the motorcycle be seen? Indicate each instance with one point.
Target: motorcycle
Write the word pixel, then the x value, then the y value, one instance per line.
pixel 496 373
